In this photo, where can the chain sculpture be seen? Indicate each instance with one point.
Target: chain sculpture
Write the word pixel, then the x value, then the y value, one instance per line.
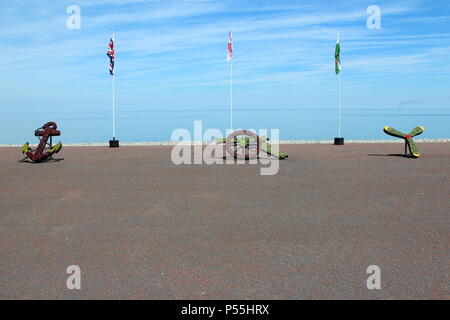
pixel 409 142
pixel 45 150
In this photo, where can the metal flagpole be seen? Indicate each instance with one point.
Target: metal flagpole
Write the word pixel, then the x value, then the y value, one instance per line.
pixel 338 140
pixel 339 104
pixel 231 94
pixel 113 143
pixel 339 95
pixel 113 111
pixel 113 100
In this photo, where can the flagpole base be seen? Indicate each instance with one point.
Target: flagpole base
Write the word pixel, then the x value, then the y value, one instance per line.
pixel 338 141
pixel 114 143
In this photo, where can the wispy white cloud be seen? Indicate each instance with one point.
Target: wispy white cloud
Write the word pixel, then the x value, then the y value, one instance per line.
pixel 168 44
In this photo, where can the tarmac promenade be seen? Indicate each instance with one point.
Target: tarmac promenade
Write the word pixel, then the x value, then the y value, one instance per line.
pixel 140 227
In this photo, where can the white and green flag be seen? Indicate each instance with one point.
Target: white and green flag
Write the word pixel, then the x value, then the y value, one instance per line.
pixel 337 56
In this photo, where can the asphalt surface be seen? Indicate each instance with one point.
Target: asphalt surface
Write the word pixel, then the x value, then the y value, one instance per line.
pixel 140 227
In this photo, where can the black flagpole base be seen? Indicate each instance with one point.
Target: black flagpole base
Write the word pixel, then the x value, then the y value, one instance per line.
pixel 114 143
pixel 338 141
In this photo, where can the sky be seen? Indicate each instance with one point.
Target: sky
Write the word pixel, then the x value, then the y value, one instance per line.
pixel 171 67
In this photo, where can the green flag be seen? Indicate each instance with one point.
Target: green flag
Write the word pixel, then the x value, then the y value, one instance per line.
pixel 337 57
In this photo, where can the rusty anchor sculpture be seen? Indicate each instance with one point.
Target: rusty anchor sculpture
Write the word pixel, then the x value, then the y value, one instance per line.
pixel 45 150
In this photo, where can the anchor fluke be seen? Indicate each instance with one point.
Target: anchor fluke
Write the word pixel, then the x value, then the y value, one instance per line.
pixel 45 149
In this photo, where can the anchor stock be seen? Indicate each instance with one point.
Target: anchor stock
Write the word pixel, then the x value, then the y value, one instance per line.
pixel 41 153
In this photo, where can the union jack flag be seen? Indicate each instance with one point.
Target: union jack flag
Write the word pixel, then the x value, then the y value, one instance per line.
pixel 230 54
pixel 110 54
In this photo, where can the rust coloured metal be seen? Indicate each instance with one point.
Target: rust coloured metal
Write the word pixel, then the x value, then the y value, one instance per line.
pixel 247 148
pixel 46 132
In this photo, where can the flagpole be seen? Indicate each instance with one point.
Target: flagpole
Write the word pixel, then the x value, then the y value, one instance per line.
pixel 113 110
pixel 113 101
pixel 339 105
pixel 113 143
pixel 230 58
pixel 338 140
pixel 231 94
pixel 339 97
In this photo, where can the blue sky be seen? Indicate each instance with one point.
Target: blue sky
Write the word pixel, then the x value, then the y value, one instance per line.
pixel 171 67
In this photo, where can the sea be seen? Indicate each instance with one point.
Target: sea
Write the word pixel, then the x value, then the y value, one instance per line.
pixel 138 124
